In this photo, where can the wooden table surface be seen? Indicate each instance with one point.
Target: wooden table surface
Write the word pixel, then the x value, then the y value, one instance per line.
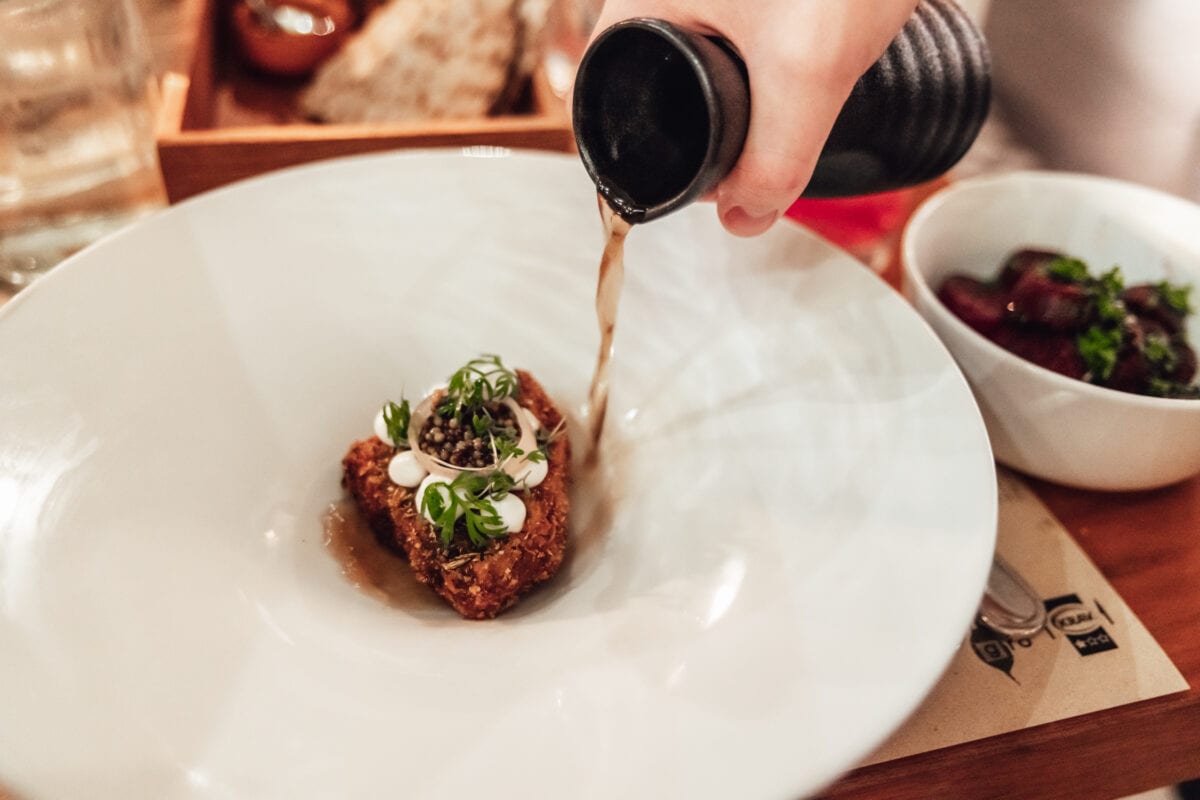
pixel 1146 543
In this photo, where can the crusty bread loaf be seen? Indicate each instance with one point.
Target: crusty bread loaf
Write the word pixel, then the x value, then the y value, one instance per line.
pixel 479 585
pixel 429 59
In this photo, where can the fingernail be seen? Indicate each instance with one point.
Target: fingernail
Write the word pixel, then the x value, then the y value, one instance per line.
pixel 741 222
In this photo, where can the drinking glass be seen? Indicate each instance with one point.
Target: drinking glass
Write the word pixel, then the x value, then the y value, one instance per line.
pixel 77 109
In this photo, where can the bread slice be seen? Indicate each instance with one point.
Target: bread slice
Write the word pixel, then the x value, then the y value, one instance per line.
pixel 417 60
pixel 478 584
pixel 431 59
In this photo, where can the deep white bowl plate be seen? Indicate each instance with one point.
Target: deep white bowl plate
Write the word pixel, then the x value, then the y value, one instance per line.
pixel 788 538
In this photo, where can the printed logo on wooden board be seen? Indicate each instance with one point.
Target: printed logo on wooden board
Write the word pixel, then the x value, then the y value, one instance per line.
pixel 1068 618
pixel 1079 624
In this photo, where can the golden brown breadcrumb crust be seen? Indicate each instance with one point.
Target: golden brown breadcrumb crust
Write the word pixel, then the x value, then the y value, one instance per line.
pixel 483 586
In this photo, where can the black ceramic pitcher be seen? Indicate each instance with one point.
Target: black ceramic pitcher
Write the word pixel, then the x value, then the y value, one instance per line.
pixel 661 113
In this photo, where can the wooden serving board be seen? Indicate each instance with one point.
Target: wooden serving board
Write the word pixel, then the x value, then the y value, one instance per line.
pixel 220 122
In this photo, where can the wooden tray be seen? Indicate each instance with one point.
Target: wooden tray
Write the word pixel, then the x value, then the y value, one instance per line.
pixel 221 122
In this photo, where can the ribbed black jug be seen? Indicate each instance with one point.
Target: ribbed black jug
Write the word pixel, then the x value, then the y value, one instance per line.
pixel 661 113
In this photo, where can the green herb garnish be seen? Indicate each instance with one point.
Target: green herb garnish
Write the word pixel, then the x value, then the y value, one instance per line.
pixel 1177 297
pixel 1158 351
pixel 1099 347
pixel 480 381
pixel 1068 270
pixel 1163 387
pixel 471 497
pixel 1107 292
pixel 506 448
pixel 481 422
pixel 396 417
pixel 547 437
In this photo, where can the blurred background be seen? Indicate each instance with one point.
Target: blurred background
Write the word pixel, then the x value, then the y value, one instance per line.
pixel 200 93
pixel 1107 86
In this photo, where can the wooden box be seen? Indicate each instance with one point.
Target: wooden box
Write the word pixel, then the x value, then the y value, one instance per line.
pixel 221 122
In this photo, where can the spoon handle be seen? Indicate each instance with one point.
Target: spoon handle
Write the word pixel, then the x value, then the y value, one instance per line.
pixel 1010 606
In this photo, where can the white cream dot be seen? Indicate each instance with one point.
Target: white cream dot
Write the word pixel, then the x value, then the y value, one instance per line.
pixel 404 470
pixel 511 511
pixel 431 480
pixel 534 422
pixel 381 429
pixel 530 474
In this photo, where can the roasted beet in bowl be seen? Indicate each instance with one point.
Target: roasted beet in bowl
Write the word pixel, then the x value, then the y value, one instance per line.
pixel 1049 308
pixel 1064 300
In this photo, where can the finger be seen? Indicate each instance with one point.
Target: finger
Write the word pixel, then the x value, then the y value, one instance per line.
pixel 793 108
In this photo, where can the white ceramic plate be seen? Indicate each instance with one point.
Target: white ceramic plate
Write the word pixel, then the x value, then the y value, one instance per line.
pixel 789 538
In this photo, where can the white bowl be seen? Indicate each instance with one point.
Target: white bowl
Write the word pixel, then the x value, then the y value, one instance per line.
pixel 1041 422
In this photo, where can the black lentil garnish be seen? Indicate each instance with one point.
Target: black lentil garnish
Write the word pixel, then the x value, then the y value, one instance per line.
pixel 463 443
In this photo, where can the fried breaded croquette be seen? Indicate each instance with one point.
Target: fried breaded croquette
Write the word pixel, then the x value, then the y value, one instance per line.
pixel 478 583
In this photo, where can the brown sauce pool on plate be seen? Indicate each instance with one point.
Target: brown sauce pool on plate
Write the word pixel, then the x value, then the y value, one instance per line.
pixel 367 564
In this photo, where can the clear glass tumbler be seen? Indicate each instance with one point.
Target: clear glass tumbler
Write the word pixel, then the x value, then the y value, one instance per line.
pixel 77 107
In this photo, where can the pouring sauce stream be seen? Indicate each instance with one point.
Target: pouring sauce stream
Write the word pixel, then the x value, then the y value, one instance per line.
pixel 608 294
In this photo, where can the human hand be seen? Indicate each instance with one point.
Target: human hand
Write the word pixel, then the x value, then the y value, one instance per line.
pixel 803 57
